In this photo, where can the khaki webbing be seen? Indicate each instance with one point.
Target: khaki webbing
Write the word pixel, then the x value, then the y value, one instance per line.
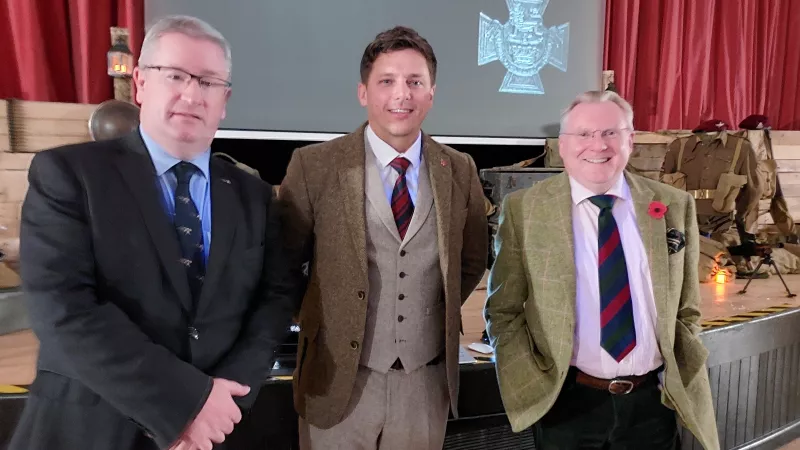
pixel 736 155
pixel 680 154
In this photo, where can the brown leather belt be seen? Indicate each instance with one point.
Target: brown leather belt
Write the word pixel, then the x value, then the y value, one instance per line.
pixel 617 386
pixel 398 365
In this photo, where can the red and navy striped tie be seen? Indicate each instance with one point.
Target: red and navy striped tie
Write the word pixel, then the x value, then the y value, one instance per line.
pixel 402 206
pixel 618 333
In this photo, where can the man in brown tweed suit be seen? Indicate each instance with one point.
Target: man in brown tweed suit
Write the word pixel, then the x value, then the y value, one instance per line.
pixel 593 298
pixel 394 227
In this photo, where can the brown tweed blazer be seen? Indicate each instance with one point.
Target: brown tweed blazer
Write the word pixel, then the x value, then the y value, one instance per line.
pixel 323 199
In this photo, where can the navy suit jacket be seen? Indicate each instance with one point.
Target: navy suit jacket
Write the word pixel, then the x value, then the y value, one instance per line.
pixel 124 363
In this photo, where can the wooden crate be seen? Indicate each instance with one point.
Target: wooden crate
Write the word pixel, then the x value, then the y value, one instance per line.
pixel 649 150
pixel 786 151
pixel 9 213
pixel 18 353
pixel 13 185
pixel 648 157
pixel 9 240
pixel 15 161
pixel 29 127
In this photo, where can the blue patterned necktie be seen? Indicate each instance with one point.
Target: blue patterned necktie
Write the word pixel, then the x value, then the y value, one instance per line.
pixel 189 228
pixel 618 333
pixel 402 206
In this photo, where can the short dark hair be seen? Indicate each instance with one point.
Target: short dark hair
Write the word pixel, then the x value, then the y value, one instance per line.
pixel 398 38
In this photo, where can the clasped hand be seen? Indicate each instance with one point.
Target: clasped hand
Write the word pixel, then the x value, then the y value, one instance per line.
pixel 217 418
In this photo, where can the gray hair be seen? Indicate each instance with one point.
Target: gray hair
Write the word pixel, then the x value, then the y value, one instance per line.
pixel 187 26
pixel 600 97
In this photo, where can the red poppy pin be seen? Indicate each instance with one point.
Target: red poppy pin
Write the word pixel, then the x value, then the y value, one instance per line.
pixel 657 210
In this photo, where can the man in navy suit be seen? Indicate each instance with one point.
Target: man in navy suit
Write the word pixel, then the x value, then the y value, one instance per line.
pixel 151 269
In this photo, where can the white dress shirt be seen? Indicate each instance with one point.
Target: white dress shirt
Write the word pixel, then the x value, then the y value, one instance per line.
pixel 587 354
pixel 385 154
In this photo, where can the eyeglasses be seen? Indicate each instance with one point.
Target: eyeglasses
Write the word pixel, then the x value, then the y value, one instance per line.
pixel 180 79
pixel 609 134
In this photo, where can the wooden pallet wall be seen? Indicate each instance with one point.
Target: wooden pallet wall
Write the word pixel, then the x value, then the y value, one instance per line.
pixel 28 127
pixel 786 151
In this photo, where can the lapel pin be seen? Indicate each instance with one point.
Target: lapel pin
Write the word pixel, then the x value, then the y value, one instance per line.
pixel 444 163
pixel 225 180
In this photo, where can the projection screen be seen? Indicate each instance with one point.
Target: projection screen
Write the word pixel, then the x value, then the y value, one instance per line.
pixel 507 68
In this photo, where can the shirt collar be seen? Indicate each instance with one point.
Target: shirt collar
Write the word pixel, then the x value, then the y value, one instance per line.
pixel 721 136
pixel 580 193
pixel 385 154
pixel 163 161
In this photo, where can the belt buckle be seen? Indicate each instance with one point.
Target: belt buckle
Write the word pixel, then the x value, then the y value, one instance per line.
pixel 620 387
pixel 703 194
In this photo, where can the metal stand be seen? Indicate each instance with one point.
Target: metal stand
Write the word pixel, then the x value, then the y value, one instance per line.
pixel 768 259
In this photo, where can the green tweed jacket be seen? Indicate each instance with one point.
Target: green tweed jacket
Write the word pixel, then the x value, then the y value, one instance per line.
pixel 530 309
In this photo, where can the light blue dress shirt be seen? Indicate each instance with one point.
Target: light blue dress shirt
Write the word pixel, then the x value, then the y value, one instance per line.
pixel 199 186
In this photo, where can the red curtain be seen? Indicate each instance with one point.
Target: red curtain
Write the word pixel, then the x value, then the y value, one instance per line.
pixel 682 61
pixel 55 50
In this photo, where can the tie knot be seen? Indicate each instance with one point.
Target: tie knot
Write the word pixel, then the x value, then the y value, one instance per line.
pixel 400 164
pixel 603 201
pixel 184 171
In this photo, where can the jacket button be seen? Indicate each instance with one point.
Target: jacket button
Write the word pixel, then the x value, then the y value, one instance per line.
pixel 354 345
pixel 402 253
pixel 402 274
pixel 401 296
pixel 193 333
pixel 361 295
pixel 400 318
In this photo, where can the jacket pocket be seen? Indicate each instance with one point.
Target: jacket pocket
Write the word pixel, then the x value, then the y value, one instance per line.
pixel 306 343
pixel 303 353
pixel 58 387
pixel 690 354
pixel 543 362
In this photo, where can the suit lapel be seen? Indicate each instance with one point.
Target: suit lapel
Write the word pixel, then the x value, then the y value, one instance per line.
pixel 137 170
pixel 654 235
pixel 424 203
pixel 226 212
pixel 375 192
pixel 555 228
pixel 349 160
pixel 439 168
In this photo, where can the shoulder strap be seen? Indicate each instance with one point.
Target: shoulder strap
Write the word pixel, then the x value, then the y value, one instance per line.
pixel 680 153
pixel 736 154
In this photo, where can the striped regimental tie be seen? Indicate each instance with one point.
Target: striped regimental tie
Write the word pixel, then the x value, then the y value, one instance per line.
pixel 402 206
pixel 618 333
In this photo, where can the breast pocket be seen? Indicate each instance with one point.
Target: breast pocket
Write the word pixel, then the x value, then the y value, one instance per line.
pixel 723 158
pixel 688 157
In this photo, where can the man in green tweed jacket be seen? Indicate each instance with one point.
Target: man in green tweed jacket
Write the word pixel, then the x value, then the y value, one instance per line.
pixel 593 298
